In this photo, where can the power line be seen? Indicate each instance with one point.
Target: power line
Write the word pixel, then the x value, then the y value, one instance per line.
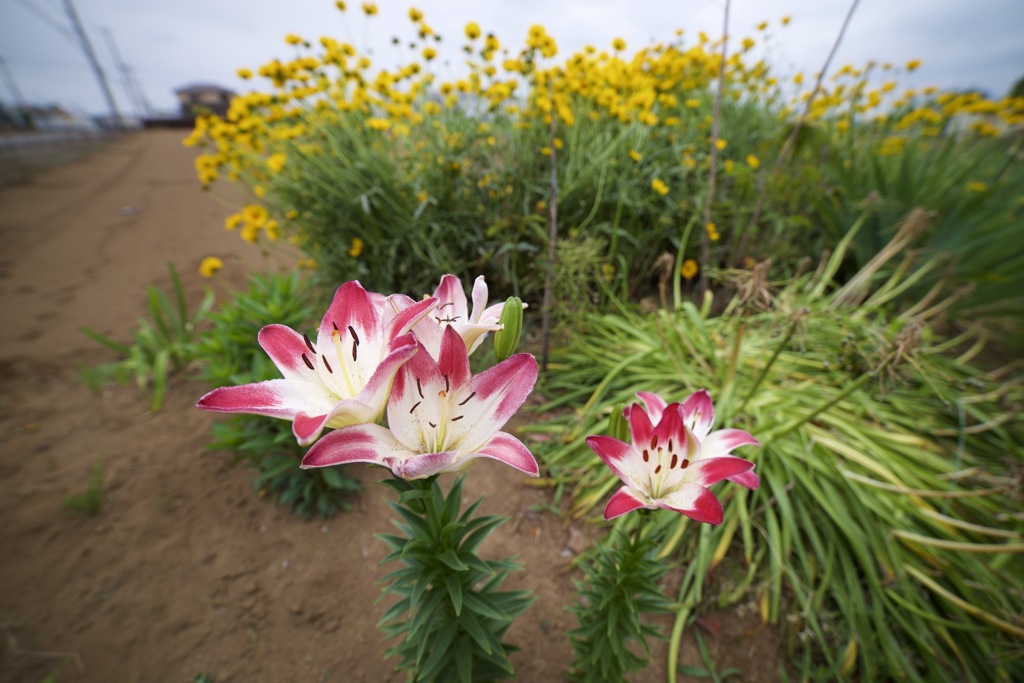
pixel 60 28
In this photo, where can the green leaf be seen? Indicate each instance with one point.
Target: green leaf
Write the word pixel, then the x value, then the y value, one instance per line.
pixel 452 560
pixel 454 587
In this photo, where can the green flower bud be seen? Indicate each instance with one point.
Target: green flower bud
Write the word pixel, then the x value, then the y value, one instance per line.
pixel 506 340
pixel 618 428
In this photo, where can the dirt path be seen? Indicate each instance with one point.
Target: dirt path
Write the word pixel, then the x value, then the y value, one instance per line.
pixel 186 571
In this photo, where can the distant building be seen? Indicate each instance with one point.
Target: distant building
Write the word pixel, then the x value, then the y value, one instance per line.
pixel 202 98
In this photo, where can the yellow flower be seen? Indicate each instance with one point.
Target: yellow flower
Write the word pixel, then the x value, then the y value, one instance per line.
pixel 913 64
pixel 429 53
pixel 786 19
pixel 292 214
pixel 377 123
pixel 340 5
pixel 753 161
pixel 720 143
pixel 689 269
pixel 357 247
pixel 210 266
pixel 422 196
pixel 415 15
pixel 546 151
pixel 619 44
pixel 692 103
pixel 635 155
pixel 762 26
pixel 273 233
pixel 472 30
pixel 232 221
pixel 369 8
pixel 250 233
pixel 659 186
pixel 608 271
pixel 307 263
pixel 292 39
pixel 713 233
pixel 254 215
pixel 244 74
pixel 275 162
pixel 977 186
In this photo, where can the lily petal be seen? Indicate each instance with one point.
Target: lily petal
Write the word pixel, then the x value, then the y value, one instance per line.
pixel 708 471
pixel 452 299
pixel 420 466
pixel 622 458
pixel 746 479
pixel 511 451
pixel 640 426
pixel 307 428
pixel 480 301
pixel 282 398
pixel 453 359
pixel 286 347
pixel 724 441
pixel 655 405
pixel 498 392
pixel 699 413
pixel 623 501
pixel 358 443
pixel 694 501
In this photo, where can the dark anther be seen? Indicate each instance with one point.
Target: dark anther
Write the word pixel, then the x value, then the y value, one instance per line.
pixel 309 344
pixel 355 348
pixel 686 463
pixel 670 445
pixel 353 333
pixel 647 456
pixel 654 442
pixel 462 403
pixel 309 363
pixel 434 426
pixel 446 387
pixel 335 326
pixel 675 459
pixel 657 470
pixel 326 364
pixel 419 388
pixel 456 419
pixel 450 303
pixel 415 407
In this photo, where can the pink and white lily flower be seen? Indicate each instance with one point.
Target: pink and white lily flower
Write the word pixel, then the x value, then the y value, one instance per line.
pixel 453 310
pixel 664 466
pixel 440 417
pixel 342 379
pixel 698 413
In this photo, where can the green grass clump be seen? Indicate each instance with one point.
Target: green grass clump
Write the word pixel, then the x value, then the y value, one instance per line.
pixel 90 501
pixel 887 534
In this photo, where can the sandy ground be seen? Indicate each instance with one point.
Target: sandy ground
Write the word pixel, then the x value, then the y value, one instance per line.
pixel 186 571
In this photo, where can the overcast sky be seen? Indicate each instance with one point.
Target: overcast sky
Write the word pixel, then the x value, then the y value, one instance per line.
pixel 963 43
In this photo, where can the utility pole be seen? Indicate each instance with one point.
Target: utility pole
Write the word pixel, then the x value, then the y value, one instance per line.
pixel 20 116
pixel 76 24
pixel 128 81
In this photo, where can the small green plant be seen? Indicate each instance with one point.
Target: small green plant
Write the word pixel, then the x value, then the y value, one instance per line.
pixel 621 583
pixel 451 613
pixel 161 344
pixel 90 501
pixel 231 356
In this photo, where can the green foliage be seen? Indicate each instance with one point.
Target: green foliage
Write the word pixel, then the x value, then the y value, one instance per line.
pixel 232 356
pixel 971 189
pixel 886 526
pixel 161 345
pixel 90 501
pixel 230 352
pixel 450 613
pixel 620 585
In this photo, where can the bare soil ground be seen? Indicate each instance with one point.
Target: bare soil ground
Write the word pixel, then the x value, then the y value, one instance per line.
pixel 186 571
